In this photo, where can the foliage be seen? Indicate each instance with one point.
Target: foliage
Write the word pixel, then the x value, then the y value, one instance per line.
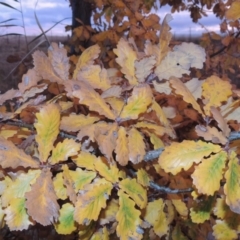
pixel 139 151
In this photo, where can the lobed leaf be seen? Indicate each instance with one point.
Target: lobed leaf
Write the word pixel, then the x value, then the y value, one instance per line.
pixel 128 218
pixel 184 154
pixel 41 204
pixel 208 174
pixel 47 127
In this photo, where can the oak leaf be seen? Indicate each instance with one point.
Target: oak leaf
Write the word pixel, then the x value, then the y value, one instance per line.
pixel 109 172
pixel 211 134
pixel 143 177
pixel 182 90
pixel 128 218
pixel 86 58
pixel 59 187
pixel 208 174
pixel 11 156
pixel 47 126
pixel 121 150
pixel 136 146
pixel 16 217
pixel 231 187
pixel 126 59
pixel 81 178
pixel 222 231
pixel 155 215
pixel 85 160
pixel 108 214
pixel 201 211
pixel 143 67
pixel 135 191
pixel 68 182
pixel 64 150
pixel 215 91
pixel 139 101
pixel 88 96
pixel 59 60
pixel 184 154
pixel 222 123
pixel 233 13
pixel 91 201
pixel 74 122
pixel 41 202
pixel 66 224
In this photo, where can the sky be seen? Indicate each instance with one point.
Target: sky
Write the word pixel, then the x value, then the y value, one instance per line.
pixel 51 11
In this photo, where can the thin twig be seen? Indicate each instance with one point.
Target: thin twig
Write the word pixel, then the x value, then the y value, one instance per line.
pixel 159 188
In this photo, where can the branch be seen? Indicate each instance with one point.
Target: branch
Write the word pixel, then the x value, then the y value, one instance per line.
pixel 159 188
pixel 223 48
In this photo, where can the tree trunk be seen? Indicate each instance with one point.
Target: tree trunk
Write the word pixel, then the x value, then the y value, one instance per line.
pixel 82 10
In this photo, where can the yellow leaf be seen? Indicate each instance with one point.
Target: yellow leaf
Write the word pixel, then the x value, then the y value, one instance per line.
pixel 180 207
pixel 143 177
pixel 64 150
pixel 128 218
pixel 139 101
pixel 85 160
pixel 109 172
pixel 156 216
pixel 17 218
pixel 215 91
pixel 91 201
pixel 88 96
pixel 95 76
pixel 121 149
pixel 156 141
pixel 182 90
pixel 11 156
pixel 41 202
pixel 59 187
pixel 74 123
pixel 7 133
pixel 126 59
pixel 47 126
pixel 116 104
pixel 86 58
pixel 81 178
pixel 68 182
pixel 222 231
pixel 158 130
pixel 233 13
pixel 135 191
pixel 222 210
pixel 202 210
pixel 108 214
pixel 160 114
pixel 65 105
pixel 232 185
pixel 66 223
pixel 208 174
pixel 136 146
pixel 18 187
pixel 184 154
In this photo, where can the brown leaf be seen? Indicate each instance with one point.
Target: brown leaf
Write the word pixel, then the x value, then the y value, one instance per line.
pixel 11 156
pixel 222 123
pixel 41 201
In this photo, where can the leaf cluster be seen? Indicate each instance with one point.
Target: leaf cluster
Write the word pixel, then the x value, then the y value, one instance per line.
pixel 135 152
